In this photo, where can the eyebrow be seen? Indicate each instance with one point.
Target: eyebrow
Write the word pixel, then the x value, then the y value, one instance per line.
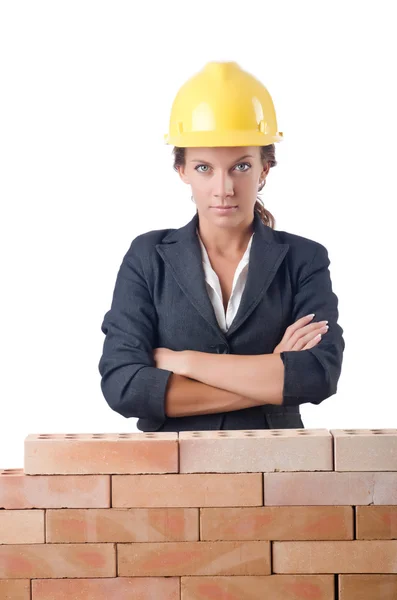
pixel 208 163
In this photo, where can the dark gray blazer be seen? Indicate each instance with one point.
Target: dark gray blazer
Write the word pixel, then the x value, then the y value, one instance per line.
pixel 160 300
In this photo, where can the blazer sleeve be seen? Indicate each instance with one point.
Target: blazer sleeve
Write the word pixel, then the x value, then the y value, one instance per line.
pixel 312 375
pixel 131 383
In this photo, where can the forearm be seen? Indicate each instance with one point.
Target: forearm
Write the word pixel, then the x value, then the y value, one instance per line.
pixel 186 397
pixel 259 377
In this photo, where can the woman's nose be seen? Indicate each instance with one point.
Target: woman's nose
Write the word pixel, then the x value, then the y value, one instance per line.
pixel 223 185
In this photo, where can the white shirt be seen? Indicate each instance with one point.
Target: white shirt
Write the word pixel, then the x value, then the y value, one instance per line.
pixel 214 287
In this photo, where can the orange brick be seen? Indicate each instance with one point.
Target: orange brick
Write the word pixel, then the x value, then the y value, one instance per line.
pixel 194 558
pixel 57 560
pixel 276 587
pixel 18 490
pixel 118 588
pixel 122 525
pixel 367 587
pixel 12 589
pixel 365 449
pixel 277 523
pixel 107 453
pixel 376 522
pixel 242 489
pixel 355 556
pixel 253 451
pixel 285 489
pixel 22 527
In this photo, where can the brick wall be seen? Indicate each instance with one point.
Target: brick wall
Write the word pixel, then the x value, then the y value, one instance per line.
pixel 290 514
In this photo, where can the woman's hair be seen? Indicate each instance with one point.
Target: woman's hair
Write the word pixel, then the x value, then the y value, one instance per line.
pixel 267 155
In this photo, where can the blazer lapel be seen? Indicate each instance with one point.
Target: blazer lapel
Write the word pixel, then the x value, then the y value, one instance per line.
pixel 181 252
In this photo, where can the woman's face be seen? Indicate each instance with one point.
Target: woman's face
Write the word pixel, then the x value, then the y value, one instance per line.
pixel 224 176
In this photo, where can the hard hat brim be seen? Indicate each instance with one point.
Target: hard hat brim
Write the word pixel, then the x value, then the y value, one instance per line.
pixel 214 139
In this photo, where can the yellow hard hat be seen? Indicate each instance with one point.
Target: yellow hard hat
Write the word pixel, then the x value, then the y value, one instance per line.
pixel 222 105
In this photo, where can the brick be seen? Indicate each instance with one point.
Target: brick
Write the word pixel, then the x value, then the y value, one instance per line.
pixel 194 558
pixel 355 556
pixel 118 588
pixel 187 490
pixel 57 560
pixel 255 450
pixel 376 522
pixel 20 491
pixel 15 589
pixel 332 488
pixel 21 527
pixel 122 525
pixel 101 453
pixel 367 587
pixel 365 449
pixel 277 523
pixel 276 587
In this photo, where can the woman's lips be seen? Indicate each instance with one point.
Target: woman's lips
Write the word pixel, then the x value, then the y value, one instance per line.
pixel 224 209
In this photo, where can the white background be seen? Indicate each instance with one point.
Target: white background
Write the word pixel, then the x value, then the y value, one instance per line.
pixel 86 91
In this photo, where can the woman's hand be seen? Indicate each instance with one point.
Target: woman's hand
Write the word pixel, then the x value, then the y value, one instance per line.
pixel 171 360
pixel 301 335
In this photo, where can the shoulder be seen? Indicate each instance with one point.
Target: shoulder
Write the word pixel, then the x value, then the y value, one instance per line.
pixel 303 252
pixel 143 246
pixel 149 239
pixel 298 242
pixel 295 241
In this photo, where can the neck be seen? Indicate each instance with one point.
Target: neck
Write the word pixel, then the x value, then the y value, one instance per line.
pixel 225 241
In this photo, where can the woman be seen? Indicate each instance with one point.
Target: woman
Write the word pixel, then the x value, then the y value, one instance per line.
pixel 211 325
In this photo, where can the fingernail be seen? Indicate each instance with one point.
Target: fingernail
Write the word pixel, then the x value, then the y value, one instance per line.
pixel 312 315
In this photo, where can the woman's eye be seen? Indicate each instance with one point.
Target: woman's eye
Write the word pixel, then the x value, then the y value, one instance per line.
pixel 198 167
pixel 245 164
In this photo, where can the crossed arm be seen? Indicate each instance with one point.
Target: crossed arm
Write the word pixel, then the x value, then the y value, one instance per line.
pixel 210 383
pixel 259 377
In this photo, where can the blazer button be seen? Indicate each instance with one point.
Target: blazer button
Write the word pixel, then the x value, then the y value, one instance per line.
pixel 222 349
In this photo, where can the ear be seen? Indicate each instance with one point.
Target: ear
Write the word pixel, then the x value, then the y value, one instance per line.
pixel 265 170
pixel 182 174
